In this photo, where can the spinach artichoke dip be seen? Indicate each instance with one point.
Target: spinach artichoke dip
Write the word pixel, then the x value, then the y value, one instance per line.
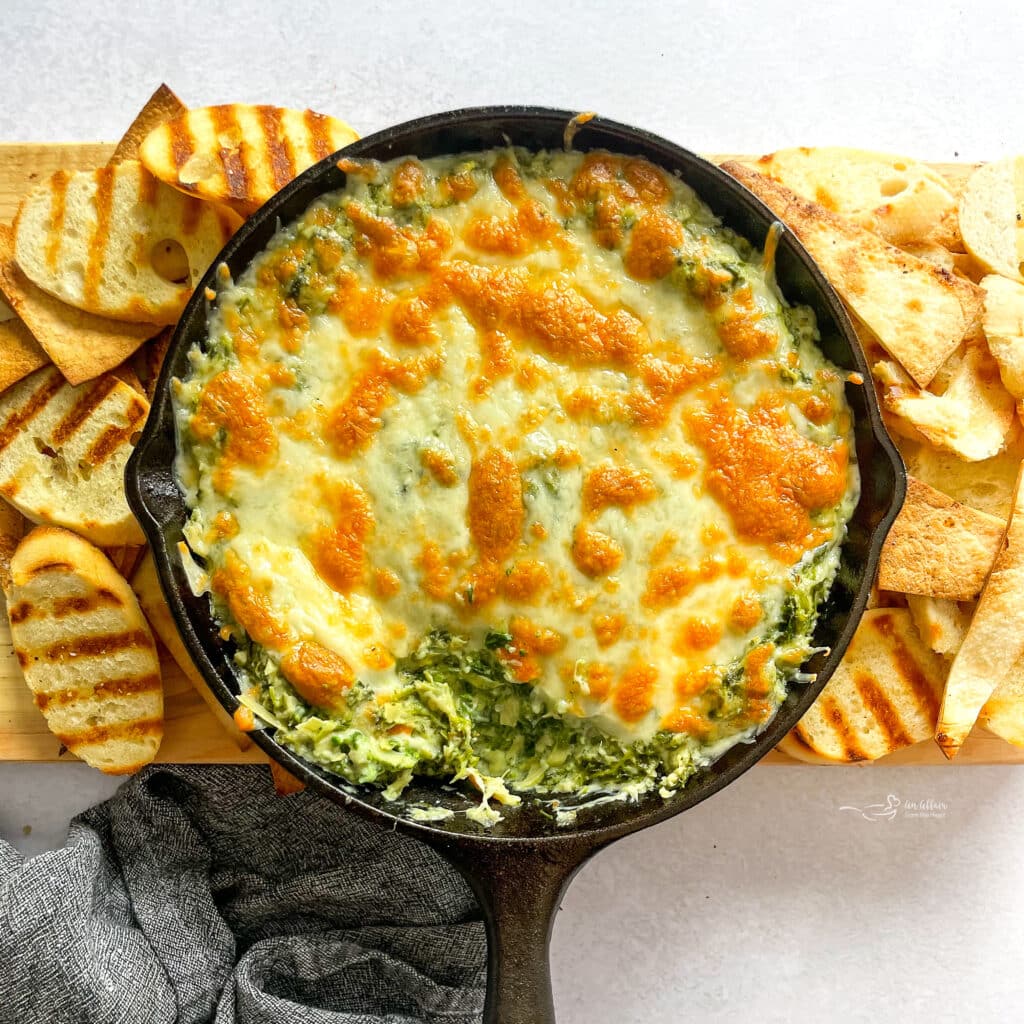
pixel 514 468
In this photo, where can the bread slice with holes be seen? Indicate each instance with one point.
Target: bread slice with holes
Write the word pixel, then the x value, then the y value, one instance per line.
pixel 63 451
pixel 899 199
pixel 117 242
pixel 86 651
pixel 239 154
pixel 885 695
pixel 80 344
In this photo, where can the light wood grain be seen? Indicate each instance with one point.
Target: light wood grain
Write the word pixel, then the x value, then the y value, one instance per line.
pixel 192 734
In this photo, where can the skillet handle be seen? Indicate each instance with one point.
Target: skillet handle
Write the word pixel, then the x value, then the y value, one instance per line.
pixel 519 886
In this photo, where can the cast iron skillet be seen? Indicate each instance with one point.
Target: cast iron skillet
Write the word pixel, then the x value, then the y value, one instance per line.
pixel 520 868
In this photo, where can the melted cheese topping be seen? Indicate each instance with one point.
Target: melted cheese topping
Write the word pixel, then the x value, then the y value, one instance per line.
pixel 540 395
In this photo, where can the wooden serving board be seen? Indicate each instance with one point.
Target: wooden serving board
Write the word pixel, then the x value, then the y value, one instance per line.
pixel 191 733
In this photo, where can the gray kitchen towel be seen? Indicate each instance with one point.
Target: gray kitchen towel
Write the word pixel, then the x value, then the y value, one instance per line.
pixel 196 895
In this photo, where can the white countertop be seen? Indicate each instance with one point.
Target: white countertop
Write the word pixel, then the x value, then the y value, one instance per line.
pixel 769 902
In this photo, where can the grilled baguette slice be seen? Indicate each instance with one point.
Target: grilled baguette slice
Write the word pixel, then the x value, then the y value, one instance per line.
pixel 12 529
pixel 238 154
pixel 117 242
pixel 792 746
pixel 86 651
pixel 81 345
pixel 63 451
pixel 146 585
pixel 885 694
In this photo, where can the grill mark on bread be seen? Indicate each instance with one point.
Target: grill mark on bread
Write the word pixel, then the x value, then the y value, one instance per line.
pixel 64 606
pixel 833 715
pixel 90 646
pixel 181 141
pixel 126 686
pixel 142 250
pixel 83 409
pixel 44 567
pixel 874 699
pixel 97 734
pixel 236 174
pixel 21 611
pixel 282 162
pixel 37 401
pixel 910 671
pixel 109 442
pixel 192 210
pixel 148 187
pixel 58 196
pixel 319 129
pixel 101 598
pixel 98 244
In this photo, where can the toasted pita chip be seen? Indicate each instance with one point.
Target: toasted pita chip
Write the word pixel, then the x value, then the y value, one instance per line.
pixel 238 154
pixel 932 252
pixel 968 267
pixel 974 415
pixel 897 198
pixel 919 312
pixel 873 351
pixel 12 529
pixel 86 651
pixel 992 217
pixel 995 641
pixel 161 107
pixel 986 486
pixel 947 234
pixel 884 695
pixel 284 782
pixel 81 345
pixel 20 353
pixel 63 451
pixel 942 624
pixel 146 585
pixel 938 547
pixel 1004 329
pixel 98 240
pixel 1003 713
